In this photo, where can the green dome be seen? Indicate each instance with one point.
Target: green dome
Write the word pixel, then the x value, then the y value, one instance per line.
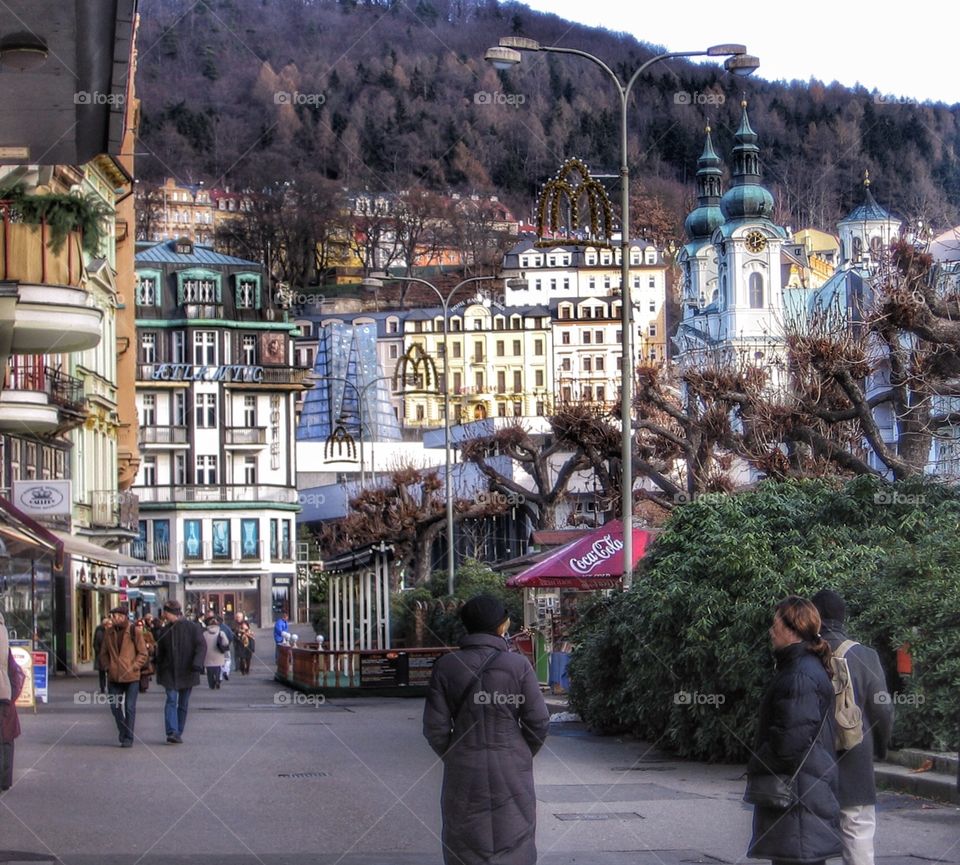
pixel 702 221
pixel 749 201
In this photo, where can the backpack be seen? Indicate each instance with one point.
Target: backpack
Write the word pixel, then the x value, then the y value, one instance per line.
pixel 846 712
pixel 223 642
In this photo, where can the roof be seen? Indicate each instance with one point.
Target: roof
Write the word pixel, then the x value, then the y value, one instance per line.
pixel 164 253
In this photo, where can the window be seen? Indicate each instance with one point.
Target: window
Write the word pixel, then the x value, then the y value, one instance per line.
pixel 601 393
pixel 478 381
pixel 393 325
pixel 394 352
pixel 178 346
pixel 478 352
pixel 249 411
pixel 592 282
pixel 501 409
pixel 456 324
pixel 250 539
pixel 199 290
pixel 598 363
pixel 180 469
pixel 516 322
pixel 149 409
pixel 248 349
pixel 599 312
pixel 538 347
pixel 421 413
pixel 192 539
pixel 478 324
pixel 586 337
pixel 553 285
pixel 248 291
pixel 538 284
pixel 518 409
pixel 147 293
pixel 457 382
pixel 566 394
pixel 517 350
pixel 756 291
pixel 500 348
pixel 566 283
pixel 588 394
pixel 587 365
pixel 518 382
pixel 586 312
pixel 565 364
pixel 205 410
pixel 598 337
pixel 652 282
pixel 221 539
pixel 148 348
pixel 652 330
pixel 250 471
pixel 606 283
pixel 149 471
pixel 564 311
pixel 565 338
pixel 179 408
pixel 205 348
pixel 501 382
pixel 499 323
pixel 456 349
pixel 206 470
pixel 653 305
pixel 538 378
pixel 161 541
pixel 274 539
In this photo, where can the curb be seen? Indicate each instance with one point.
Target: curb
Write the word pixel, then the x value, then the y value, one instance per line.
pixel 928 785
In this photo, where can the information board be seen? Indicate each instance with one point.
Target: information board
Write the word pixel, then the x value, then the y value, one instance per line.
pixel 24 658
pixel 420 667
pixel 41 664
pixel 383 670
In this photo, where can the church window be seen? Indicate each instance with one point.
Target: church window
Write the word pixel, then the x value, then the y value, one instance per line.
pixel 756 291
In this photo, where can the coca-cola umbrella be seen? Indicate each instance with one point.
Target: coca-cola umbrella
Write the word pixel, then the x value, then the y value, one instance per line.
pixel 593 562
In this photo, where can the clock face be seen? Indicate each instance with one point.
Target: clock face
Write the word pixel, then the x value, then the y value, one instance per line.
pixel 755 241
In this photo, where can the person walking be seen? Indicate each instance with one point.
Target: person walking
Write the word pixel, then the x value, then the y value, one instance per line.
pixel 244 647
pixel 228 654
pixel 123 655
pixel 858 790
pixel 486 719
pixel 795 735
pixel 217 644
pixel 180 658
pixel 98 635
pixel 11 684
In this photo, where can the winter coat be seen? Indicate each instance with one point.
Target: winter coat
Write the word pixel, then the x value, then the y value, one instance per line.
pixel 9 720
pixel 793 708
pixel 857 785
pixel 487 742
pixel 280 627
pixel 98 635
pixel 180 655
pixel 215 655
pixel 123 654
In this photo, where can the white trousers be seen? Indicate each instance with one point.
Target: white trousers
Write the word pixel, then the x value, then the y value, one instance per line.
pixel 226 664
pixel 858 824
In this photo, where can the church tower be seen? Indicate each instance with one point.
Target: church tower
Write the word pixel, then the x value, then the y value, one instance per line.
pixel 698 260
pixel 866 232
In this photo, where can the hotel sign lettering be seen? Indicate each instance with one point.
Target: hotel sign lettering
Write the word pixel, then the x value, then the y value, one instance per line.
pixel 188 372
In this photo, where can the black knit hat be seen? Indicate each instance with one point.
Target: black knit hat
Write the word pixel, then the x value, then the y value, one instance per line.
pixel 830 605
pixel 483 615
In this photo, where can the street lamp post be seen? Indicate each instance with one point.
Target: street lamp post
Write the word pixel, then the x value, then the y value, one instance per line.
pixel 508 54
pixel 377 281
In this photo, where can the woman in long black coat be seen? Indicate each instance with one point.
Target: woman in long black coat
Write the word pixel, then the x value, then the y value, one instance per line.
pixel 795 714
pixel 486 718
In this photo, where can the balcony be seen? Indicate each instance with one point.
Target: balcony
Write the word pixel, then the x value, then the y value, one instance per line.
pixel 113 508
pixel 160 437
pixel 279 375
pixel 41 401
pixel 158 551
pixel 235 552
pixel 238 437
pixel 51 312
pixel 203 310
pixel 215 494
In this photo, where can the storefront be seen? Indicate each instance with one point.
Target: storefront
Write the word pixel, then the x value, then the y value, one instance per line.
pixel 225 595
pixel 556 586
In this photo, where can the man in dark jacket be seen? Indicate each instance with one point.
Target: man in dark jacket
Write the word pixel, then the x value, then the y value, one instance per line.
pixel 123 655
pixel 486 719
pixel 180 654
pixel 858 792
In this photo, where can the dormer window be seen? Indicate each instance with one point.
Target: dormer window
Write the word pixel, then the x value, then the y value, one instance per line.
pixel 183 245
pixel 148 288
pixel 247 290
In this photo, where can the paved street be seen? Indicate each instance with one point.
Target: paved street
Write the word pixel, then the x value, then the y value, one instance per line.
pixel 263 779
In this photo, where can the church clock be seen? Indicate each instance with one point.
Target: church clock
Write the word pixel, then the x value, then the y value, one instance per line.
pixel 755 241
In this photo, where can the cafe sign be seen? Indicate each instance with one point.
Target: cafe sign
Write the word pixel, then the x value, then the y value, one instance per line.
pixel 43 498
pixel 233 372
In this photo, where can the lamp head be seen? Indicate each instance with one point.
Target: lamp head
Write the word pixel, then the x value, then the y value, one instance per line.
pixel 373 282
pixel 502 58
pixel 22 52
pixel 742 64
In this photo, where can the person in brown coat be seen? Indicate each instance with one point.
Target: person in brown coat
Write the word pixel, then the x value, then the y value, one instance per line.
pixel 486 719
pixel 11 683
pixel 123 655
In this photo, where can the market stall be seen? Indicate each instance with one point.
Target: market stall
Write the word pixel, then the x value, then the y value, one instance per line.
pixel 554 588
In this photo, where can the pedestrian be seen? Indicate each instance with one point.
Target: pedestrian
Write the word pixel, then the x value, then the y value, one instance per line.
pixel 98 633
pixel 796 735
pixel 228 654
pixel 858 791
pixel 280 627
pixel 244 647
pixel 180 657
pixel 486 719
pixel 123 655
pixel 150 667
pixel 217 644
pixel 11 684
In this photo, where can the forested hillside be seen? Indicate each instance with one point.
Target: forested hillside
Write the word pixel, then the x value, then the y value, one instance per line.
pixel 390 94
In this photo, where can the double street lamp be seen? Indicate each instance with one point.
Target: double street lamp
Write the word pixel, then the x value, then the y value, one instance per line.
pixel 377 280
pixel 508 54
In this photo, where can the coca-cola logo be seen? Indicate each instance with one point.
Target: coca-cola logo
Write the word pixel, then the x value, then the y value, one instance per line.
pixel 602 549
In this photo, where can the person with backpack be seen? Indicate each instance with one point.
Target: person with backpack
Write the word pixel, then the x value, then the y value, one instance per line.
pixel 123 655
pixel 486 719
pixel 861 743
pixel 217 647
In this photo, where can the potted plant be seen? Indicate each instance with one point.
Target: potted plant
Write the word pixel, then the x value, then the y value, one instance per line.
pixel 62 213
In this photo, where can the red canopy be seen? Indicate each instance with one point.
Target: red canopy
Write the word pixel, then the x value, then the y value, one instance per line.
pixel 593 562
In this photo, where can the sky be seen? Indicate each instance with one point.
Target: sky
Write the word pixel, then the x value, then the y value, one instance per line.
pixel 898 52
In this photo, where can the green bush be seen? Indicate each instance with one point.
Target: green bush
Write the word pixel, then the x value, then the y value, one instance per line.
pixel 682 659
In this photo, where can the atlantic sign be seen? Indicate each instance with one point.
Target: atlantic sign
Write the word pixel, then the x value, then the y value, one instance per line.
pixel 188 372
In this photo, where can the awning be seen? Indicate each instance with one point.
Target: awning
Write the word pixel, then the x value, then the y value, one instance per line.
pixel 593 562
pixel 26 533
pixel 147 597
pixel 126 566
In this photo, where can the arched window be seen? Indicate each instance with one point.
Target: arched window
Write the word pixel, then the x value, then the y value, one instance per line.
pixel 756 291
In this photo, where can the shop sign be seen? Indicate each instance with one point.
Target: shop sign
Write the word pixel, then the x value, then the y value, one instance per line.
pixel 43 498
pixel 602 549
pixel 188 372
pixel 24 658
pixel 283 581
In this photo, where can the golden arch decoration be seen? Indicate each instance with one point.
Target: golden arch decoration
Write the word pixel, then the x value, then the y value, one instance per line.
pixel 416 372
pixel 340 446
pixel 572 188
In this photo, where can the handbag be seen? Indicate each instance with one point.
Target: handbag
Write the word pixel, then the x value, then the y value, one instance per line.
pixel 778 791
